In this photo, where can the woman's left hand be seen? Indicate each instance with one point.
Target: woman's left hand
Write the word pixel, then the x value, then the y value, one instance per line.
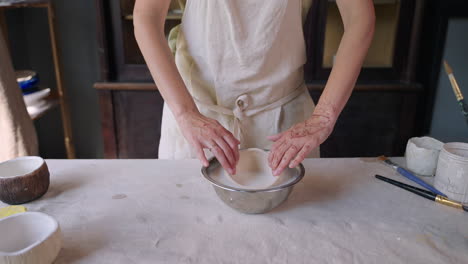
pixel 292 146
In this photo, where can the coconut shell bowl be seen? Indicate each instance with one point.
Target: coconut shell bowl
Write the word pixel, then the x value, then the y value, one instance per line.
pixel 23 179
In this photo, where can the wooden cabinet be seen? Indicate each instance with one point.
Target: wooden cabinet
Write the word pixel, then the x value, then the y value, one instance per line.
pixel 379 118
pixel 120 51
pixel 131 120
pixel 372 124
pixel 394 49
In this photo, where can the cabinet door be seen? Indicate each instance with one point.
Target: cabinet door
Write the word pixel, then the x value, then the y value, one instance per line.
pixel 131 123
pixel 138 123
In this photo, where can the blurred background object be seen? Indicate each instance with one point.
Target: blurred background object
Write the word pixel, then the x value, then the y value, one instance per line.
pixel 17 133
pixel 28 80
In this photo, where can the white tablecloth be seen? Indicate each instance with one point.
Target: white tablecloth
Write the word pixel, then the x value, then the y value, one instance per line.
pixel 153 211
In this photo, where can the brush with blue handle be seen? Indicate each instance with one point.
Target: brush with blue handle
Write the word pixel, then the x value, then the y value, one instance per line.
pixel 410 175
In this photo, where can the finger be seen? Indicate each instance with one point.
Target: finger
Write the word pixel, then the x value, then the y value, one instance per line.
pixel 275 137
pixel 273 150
pixel 278 143
pixel 233 143
pixel 278 155
pixel 219 154
pixel 201 155
pixel 230 135
pixel 227 151
pixel 305 150
pixel 287 157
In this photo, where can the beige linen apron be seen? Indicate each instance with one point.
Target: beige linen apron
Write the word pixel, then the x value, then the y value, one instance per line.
pixel 242 61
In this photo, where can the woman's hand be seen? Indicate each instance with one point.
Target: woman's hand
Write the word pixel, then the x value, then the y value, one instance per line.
pixel 292 146
pixel 203 132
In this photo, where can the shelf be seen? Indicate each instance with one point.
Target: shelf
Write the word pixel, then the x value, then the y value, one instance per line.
pixel 23 3
pixel 314 86
pixel 52 101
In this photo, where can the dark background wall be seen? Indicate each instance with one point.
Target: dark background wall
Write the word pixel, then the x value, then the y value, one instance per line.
pixel 30 49
pixel 448 123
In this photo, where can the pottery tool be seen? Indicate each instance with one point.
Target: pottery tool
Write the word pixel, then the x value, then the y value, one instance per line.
pixel 426 194
pixel 410 175
pixel 456 90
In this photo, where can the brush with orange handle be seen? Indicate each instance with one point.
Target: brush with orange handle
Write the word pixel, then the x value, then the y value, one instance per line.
pixel 456 90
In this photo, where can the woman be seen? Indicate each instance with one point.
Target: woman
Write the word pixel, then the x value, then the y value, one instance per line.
pixel 236 79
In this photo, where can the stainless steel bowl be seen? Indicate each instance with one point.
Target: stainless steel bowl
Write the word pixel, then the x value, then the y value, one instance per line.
pixel 257 201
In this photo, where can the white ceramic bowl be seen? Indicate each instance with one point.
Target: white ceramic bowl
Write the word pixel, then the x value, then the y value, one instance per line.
pixel 422 154
pixel 23 179
pixel 30 237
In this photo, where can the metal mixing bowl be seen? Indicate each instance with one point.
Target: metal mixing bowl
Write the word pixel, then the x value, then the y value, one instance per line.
pixel 252 201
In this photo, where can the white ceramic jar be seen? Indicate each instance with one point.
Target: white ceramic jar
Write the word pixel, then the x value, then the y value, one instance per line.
pixel 422 154
pixel 452 171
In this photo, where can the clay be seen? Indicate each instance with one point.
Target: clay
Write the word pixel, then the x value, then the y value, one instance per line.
pixel 253 172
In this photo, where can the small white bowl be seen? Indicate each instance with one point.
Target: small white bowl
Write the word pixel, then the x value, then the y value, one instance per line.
pixel 23 179
pixel 30 237
pixel 422 154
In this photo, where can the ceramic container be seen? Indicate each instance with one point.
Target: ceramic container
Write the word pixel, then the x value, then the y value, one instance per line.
pixel 452 171
pixel 28 238
pixel 23 179
pixel 422 154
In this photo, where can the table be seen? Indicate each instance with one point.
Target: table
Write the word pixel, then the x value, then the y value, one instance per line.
pixel 155 211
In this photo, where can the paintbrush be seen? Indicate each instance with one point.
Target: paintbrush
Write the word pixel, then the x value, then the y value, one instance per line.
pixel 410 175
pixel 456 90
pixel 426 194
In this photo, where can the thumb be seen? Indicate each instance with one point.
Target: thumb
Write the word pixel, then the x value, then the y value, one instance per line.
pixel 275 137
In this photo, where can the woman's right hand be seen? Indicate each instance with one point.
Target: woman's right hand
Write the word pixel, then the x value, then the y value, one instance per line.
pixel 202 132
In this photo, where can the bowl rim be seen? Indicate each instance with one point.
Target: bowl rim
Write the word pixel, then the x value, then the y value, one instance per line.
pixel 449 148
pixel 54 229
pixel 426 143
pixel 23 158
pixel 214 162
